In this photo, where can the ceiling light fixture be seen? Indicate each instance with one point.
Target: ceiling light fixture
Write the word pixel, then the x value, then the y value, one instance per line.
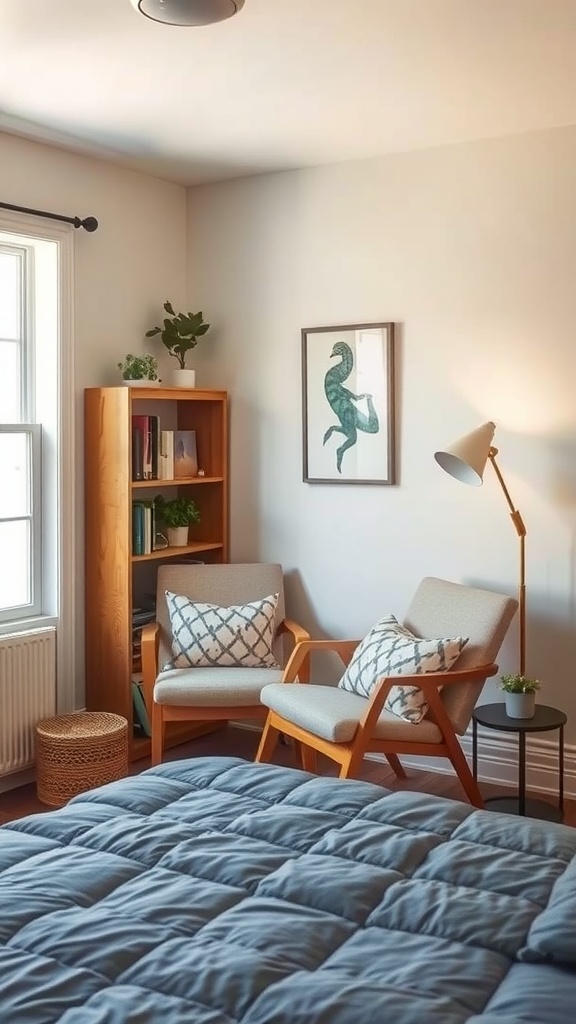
pixel 187 12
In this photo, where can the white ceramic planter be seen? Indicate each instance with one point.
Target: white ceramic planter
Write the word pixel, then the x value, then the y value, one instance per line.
pixel 520 705
pixel 177 536
pixel 141 383
pixel 183 378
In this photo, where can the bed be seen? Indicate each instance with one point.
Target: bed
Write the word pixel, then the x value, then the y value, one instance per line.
pixel 217 891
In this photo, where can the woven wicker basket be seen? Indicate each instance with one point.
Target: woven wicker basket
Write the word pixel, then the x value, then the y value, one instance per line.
pixel 78 752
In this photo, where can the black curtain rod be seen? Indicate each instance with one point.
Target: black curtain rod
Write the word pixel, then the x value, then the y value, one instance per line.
pixel 89 223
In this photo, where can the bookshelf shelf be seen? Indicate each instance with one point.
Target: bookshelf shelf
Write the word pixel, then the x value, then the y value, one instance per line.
pixel 172 552
pixel 195 480
pixel 117 581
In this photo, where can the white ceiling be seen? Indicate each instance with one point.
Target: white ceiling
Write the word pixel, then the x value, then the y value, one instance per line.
pixel 285 83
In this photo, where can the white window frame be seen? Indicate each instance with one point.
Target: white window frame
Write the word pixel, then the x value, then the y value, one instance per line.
pixel 61 596
pixel 34 517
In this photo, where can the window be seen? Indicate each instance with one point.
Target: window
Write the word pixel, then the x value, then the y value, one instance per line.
pixel 29 332
pixel 20 521
pixel 20 448
pixel 40 499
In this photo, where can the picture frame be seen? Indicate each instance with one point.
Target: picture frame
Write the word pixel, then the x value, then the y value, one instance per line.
pixel 348 404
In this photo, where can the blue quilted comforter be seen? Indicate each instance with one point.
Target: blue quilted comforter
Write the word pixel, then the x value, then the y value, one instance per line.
pixel 215 891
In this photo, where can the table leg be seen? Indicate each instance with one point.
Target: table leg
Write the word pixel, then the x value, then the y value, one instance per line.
pixel 561 772
pixel 522 773
pixel 475 749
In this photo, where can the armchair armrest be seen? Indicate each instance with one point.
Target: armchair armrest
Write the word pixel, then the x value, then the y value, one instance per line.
pixel 150 642
pixel 302 651
pixel 430 683
pixel 298 632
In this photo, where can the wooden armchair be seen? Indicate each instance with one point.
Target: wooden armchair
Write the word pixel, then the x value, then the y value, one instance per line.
pixel 345 726
pixel 207 694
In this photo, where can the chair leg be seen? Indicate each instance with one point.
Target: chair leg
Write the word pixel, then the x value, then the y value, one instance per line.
pixel 267 742
pixel 467 780
pixel 307 757
pixel 158 728
pixel 396 765
pixel 350 767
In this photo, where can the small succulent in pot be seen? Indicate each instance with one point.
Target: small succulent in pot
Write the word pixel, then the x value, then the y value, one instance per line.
pixel 519 695
pixel 515 683
pixel 144 367
pixel 180 332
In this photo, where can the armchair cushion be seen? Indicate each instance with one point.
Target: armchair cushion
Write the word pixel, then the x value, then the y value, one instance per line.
pixel 390 649
pixel 213 687
pixel 208 635
pixel 334 714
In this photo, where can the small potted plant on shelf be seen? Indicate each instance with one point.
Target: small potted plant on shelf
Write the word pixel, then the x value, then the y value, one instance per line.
pixel 177 514
pixel 180 333
pixel 141 371
pixel 519 695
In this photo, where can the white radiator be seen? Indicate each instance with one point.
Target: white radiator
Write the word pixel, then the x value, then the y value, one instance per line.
pixel 27 694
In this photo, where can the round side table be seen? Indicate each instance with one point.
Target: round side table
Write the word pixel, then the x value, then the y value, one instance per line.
pixel 493 716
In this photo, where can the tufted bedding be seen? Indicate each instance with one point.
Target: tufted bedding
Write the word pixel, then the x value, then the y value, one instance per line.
pixel 215 891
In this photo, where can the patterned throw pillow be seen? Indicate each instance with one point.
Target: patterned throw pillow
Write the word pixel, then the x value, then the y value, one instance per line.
pixel 390 649
pixel 205 635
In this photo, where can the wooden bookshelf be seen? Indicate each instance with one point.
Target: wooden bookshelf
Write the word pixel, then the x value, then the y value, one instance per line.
pixel 116 580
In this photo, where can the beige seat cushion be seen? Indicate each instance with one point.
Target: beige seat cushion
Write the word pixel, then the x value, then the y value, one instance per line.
pixel 211 687
pixel 334 714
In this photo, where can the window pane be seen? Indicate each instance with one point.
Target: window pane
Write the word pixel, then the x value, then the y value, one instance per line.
pixel 9 295
pixel 15 475
pixel 10 411
pixel 15 587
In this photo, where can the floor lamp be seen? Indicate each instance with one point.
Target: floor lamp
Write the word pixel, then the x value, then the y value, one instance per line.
pixel 465 460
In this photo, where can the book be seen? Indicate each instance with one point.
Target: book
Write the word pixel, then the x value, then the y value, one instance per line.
pixel 137 454
pixel 140 710
pixel 137 528
pixel 166 455
pixel 185 455
pixel 142 423
pixel 147 529
pixel 141 616
pixel 154 444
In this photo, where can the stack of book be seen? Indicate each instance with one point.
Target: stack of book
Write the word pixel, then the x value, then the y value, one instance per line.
pixel 140 618
pixel 143 527
pixel 162 454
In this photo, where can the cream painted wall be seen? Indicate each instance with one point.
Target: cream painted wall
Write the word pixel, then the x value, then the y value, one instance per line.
pixel 122 273
pixel 471 250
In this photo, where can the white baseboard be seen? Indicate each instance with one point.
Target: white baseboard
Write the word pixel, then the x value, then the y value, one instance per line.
pixel 17 779
pixel 498 762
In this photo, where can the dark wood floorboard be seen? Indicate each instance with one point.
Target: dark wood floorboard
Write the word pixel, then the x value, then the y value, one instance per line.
pixel 239 742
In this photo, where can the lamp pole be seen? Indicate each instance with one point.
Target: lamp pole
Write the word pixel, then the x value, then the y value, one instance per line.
pixel 521 531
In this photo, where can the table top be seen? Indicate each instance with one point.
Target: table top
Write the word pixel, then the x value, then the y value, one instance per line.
pixel 494 717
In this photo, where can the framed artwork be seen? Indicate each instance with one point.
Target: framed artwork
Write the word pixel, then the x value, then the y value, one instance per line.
pixel 348 404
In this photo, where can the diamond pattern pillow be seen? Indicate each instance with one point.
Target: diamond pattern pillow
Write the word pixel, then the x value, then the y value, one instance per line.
pixel 390 649
pixel 206 635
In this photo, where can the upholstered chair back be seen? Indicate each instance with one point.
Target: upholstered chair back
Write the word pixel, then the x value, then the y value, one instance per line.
pixel 443 609
pixel 223 585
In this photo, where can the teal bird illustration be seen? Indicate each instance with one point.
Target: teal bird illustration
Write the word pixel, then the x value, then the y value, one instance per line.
pixel 341 400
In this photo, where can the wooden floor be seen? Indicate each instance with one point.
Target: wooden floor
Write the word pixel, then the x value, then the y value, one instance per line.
pixel 239 742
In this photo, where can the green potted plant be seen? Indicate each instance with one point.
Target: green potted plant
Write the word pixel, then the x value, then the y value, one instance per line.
pixel 139 370
pixel 177 514
pixel 180 333
pixel 519 695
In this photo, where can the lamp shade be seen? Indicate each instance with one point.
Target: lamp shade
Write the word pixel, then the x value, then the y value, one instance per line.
pixel 187 12
pixel 466 458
